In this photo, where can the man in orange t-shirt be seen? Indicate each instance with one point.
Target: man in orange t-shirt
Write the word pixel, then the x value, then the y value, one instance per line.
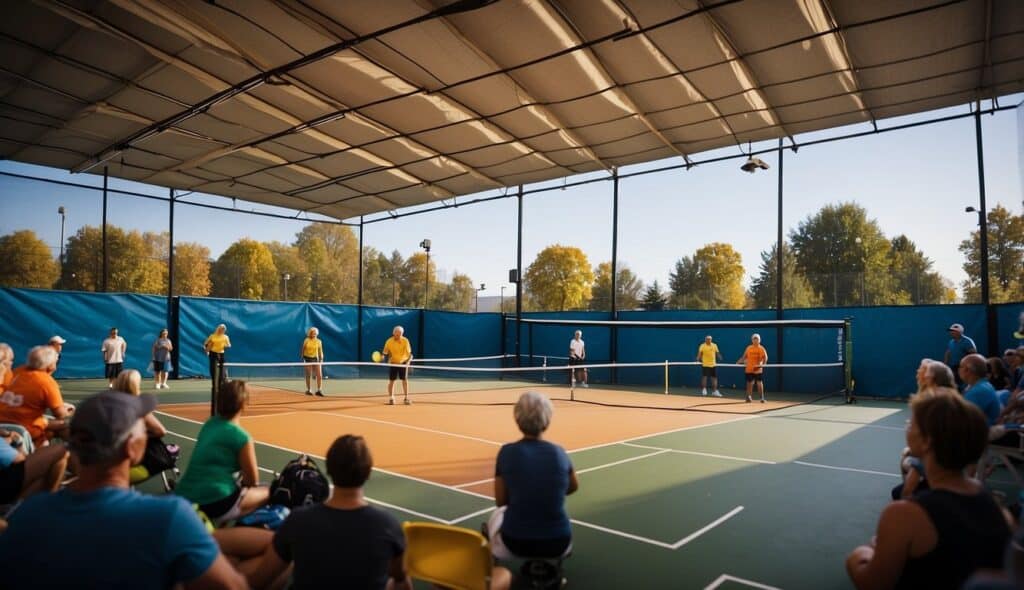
pixel 756 358
pixel 33 391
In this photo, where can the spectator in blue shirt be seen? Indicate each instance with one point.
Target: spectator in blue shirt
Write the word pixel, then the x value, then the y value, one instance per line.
pixel 531 480
pixel 959 346
pixel 974 372
pixel 98 533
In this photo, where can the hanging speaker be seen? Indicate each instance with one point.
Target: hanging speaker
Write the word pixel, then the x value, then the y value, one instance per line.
pixel 513 275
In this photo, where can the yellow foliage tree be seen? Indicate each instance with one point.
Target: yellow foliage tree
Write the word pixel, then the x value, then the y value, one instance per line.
pixel 25 261
pixel 559 279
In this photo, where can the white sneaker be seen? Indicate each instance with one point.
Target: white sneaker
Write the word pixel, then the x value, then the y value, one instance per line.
pixel 704 392
pixel 716 393
pixel 408 402
pixel 586 385
pixel 762 400
pixel 391 401
pixel 166 386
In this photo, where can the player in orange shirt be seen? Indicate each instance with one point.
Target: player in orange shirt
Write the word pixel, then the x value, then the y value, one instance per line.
pixel 33 391
pixel 756 358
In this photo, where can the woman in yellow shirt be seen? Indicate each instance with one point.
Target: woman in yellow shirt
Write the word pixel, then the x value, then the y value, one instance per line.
pixel 312 354
pixel 215 345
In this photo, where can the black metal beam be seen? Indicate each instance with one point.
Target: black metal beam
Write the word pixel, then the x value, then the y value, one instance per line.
pixel 519 275
pixel 103 278
pixel 779 291
pixel 986 298
pixel 359 299
pixel 170 249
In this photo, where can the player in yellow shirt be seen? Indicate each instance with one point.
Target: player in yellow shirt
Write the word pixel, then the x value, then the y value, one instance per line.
pixel 215 346
pixel 708 354
pixel 312 354
pixel 398 351
pixel 756 358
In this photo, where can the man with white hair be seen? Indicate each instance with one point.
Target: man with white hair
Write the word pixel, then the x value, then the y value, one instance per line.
pixel 7 360
pixel 958 347
pixel 398 353
pixel 755 357
pixel 138 541
pixel 577 356
pixel 31 393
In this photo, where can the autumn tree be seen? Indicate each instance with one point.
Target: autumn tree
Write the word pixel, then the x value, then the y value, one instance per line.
pixel 796 291
pixel 914 281
pixel 245 270
pixel 289 262
pixel 191 269
pixel 412 281
pixel 559 278
pixel 331 252
pixel 845 256
pixel 137 263
pixel 1005 258
pixel 654 299
pixel 458 295
pixel 628 285
pixel 25 261
pixel 710 279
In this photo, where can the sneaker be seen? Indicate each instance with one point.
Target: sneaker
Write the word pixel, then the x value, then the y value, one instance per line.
pixel 762 400
pixel 716 393
pixel 166 386
pixel 319 393
pixel 585 385
pixel 704 392
pixel 749 400
pixel 308 392
pixel 391 401
pixel 408 402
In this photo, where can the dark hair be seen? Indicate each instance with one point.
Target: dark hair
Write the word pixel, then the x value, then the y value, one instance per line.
pixel 231 398
pixel 349 461
pixel 955 428
pixel 997 373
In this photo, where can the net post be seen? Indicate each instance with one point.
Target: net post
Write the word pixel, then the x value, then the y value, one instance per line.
pixel 666 376
pixel 215 379
pixel 572 383
pixel 544 373
pixel 848 359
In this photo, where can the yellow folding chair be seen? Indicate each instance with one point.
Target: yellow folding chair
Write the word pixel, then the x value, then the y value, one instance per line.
pixel 448 556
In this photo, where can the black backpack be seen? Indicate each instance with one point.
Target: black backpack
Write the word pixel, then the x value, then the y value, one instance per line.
pixel 300 483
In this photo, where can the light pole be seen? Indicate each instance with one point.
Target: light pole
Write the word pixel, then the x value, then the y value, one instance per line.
pixel 425 244
pixel 477 306
pixel 286 277
pixel 503 300
pixel 61 211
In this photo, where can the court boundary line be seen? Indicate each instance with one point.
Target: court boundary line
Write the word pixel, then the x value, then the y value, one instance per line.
pixel 409 426
pixel 727 578
pixel 581 471
pixel 670 546
pixel 703 454
pixel 853 469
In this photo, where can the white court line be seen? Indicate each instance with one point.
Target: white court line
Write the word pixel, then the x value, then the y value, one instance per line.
pixel 727 578
pixel 835 468
pixel 701 454
pixel 707 528
pixel 620 462
pixel 410 427
pixel 471 515
pixel 672 431
pixel 662 544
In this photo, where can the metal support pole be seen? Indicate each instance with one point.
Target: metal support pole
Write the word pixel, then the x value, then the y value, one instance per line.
pixel 426 282
pixel 990 319
pixel 359 297
pixel 170 250
pixel 519 277
pixel 780 311
pixel 103 279
pixel 614 336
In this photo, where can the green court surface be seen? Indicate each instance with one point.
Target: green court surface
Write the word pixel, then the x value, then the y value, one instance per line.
pixel 773 500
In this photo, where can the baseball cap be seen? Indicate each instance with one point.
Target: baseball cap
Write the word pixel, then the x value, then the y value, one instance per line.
pixel 102 422
pixel 58 340
pixel 957 327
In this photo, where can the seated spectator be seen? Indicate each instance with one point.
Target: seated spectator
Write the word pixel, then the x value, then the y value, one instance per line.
pixel 223 449
pixel 940 537
pixel 98 533
pixel 22 475
pixel 979 391
pixel 130 381
pixel 6 363
pixel 932 373
pixel 998 375
pixel 532 477
pixel 31 393
pixel 1014 365
pixel 343 542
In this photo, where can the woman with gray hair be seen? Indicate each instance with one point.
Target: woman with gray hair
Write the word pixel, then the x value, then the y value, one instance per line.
pixel 531 480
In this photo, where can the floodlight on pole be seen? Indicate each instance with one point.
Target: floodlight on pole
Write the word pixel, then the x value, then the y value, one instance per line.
pixel 477 306
pixel 425 244
pixel 503 300
pixel 287 277
pixel 62 212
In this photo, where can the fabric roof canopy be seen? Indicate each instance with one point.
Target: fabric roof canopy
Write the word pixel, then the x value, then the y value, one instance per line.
pixel 231 97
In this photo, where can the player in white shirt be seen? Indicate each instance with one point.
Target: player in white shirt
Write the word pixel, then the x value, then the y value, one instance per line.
pixel 577 354
pixel 113 350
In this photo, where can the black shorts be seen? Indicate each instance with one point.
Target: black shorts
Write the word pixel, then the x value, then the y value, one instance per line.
pixel 219 508
pixel 755 377
pixel 709 371
pixel 113 370
pixel 536 547
pixel 310 359
pixel 576 361
pixel 11 480
pixel 396 373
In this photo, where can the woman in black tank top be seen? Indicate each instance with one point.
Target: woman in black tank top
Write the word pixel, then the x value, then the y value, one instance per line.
pixel 942 536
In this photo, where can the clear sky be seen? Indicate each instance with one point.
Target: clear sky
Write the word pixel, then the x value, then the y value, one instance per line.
pixel 916 182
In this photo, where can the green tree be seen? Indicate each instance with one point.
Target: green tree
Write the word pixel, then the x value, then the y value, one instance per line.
pixel 845 256
pixel 796 291
pixel 711 279
pixel 654 299
pixel 629 287
pixel 458 295
pixel 191 269
pixel 560 279
pixel 25 261
pixel 331 253
pixel 288 261
pixel 137 263
pixel 1005 258
pixel 245 270
pixel 412 279
pixel 914 281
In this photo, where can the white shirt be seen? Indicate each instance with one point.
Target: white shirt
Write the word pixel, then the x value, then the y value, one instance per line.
pixel 113 350
pixel 576 347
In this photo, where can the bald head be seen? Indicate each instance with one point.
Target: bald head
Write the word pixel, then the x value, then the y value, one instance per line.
pixel 973 368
